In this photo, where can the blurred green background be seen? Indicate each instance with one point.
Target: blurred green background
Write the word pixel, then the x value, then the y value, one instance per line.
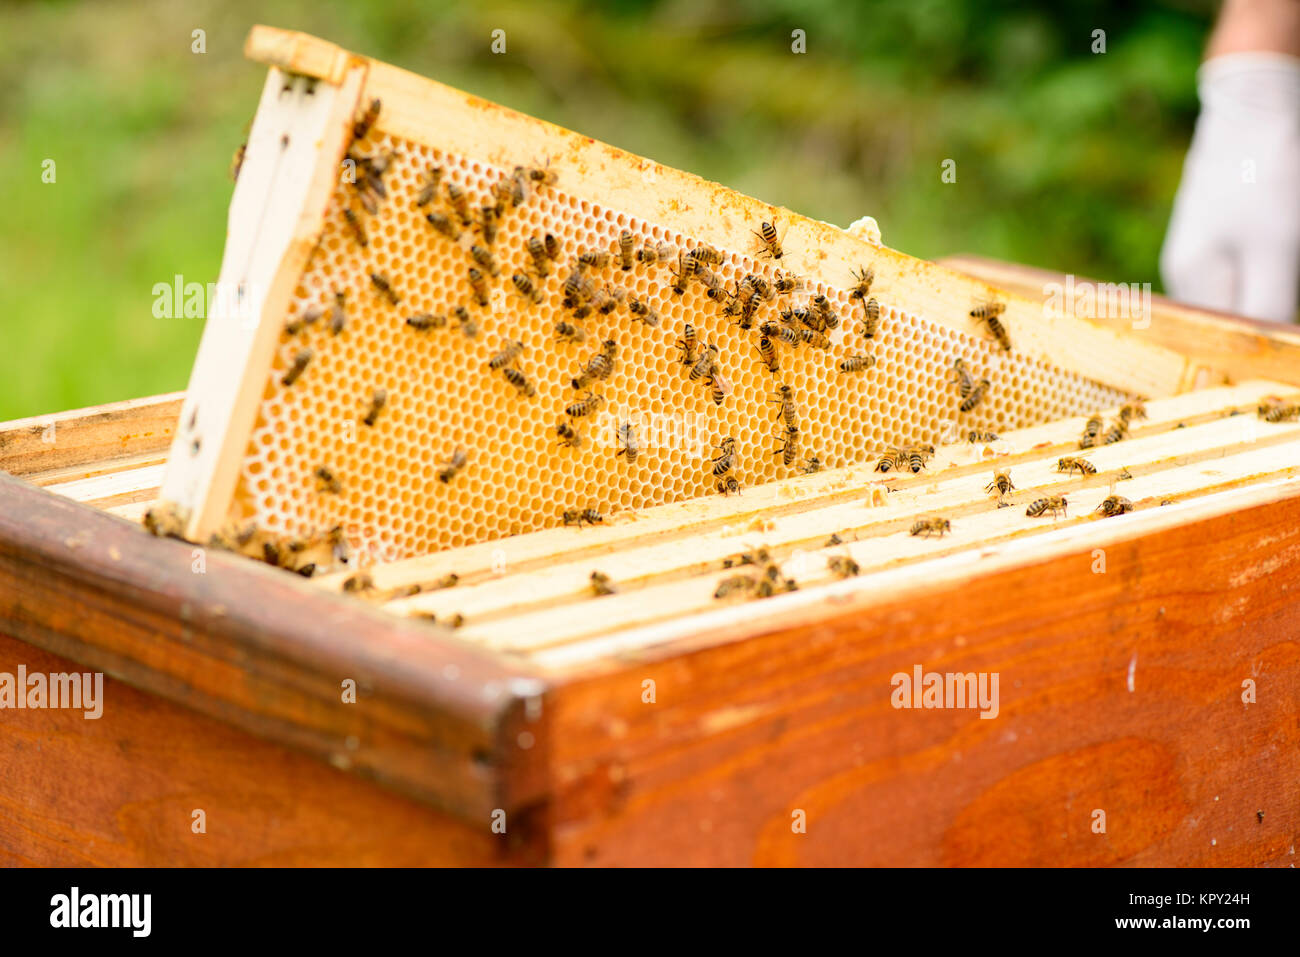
pixel 1065 158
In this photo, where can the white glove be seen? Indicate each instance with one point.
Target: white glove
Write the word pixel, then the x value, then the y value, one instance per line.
pixel 1234 236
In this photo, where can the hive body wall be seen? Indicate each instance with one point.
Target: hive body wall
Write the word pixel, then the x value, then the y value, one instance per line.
pixel 442 395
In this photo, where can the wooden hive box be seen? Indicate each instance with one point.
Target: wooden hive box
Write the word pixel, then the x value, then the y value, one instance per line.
pixel 1147 663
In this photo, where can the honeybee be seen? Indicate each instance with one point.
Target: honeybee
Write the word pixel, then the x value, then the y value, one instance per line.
pixel 1114 505
pixel 1001 484
pixel 443 224
pixel 164 521
pixel 715 288
pixel 536 247
pixel 362 126
pixel 857 363
pixel 599 366
pixel 626 249
pixel 478 282
pixel 786 283
pixel 1133 410
pixel 338 315
pixel 871 321
pixel 300 360
pixel 579 517
pixel 237 161
pixel 652 253
pixel 842 566
pixel 358 230
pixel 1279 412
pixel 483 256
pixel 453 467
pixel 432 177
pixel 770 244
pixel 734 585
pixel 789 449
pixel 727 486
pixel 577 290
pixel 1053 503
pixel 543 175
pixel 627 444
pixel 593 259
pixel 785 399
pixel 1090 432
pixel 384 288
pixel 377 402
pixel 584 406
pixel 862 280
pixel 813 464
pixel 1117 431
pixel 768 353
pixel 975 397
pixel 705 364
pixel 688 343
pixel 490 221
pixel 916 456
pixel 519 381
pixel 327 481
pixel 526 287
pixel 962 378
pixel 510 350
pixel 606 299
pixel 925 527
pixel 821 308
pixel 509 191
pixel 601 584
pixel 686 266
pixel 719 387
pixel 988 313
pixel 426 321
pixel 568 332
pixel 977 436
pixel 704 253
pixel 764 288
pixel 459 202
pixel 780 333
pixel 296 325
pixel 725 459
pixel 465 321
pixel 553 247
pixel 361 581
pixel 1070 464
pixel 569 436
pixel 642 311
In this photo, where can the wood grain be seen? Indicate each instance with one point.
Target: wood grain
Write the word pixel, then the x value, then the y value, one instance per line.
pixel 797 715
pixel 1239 348
pixel 121 791
pixel 95 435
pixel 263 650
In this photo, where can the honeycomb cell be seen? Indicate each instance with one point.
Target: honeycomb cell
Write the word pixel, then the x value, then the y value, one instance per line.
pixel 442 395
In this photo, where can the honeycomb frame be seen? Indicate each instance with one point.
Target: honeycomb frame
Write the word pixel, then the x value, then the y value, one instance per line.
pixel 443 396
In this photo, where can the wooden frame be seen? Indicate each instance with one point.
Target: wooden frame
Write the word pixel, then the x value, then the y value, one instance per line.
pixel 753 719
pixel 206 456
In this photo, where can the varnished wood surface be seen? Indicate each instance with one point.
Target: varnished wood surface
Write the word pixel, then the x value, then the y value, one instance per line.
pixel 747 731
pixel 260 648
pixel 121 791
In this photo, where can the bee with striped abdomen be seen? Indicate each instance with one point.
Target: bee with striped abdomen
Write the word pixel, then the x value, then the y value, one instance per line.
pixel 1053 503
pixel 453 467
pixel 1114 505
pixel 510 350
pixel 925 527
pixel 378 399
pixel 296 368
pixel 1070 464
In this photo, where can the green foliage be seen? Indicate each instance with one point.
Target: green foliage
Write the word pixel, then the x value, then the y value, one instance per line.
pixel 1065 158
